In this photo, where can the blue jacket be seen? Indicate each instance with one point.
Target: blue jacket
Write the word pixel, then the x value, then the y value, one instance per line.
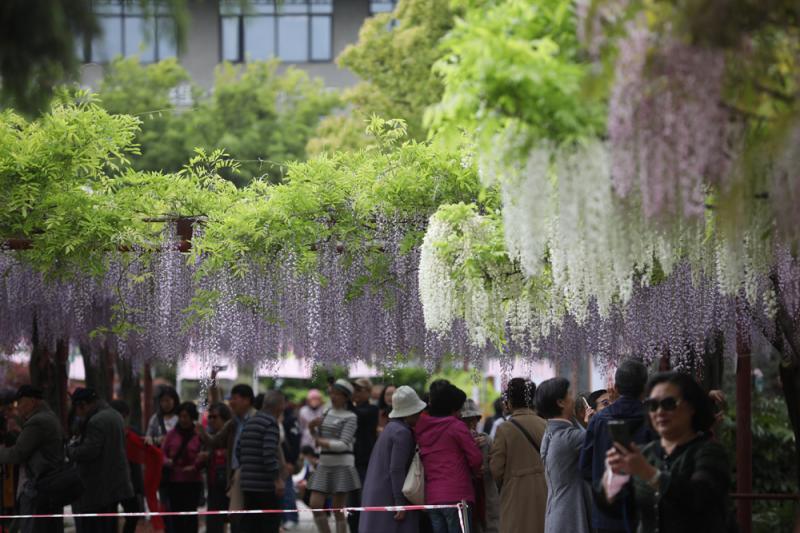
pixel 621 515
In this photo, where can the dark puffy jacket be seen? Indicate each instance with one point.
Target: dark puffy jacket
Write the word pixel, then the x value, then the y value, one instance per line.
pixel 258 453
pixel 621 515
pixel 102 460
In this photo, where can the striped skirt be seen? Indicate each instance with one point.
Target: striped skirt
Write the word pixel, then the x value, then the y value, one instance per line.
pixel 333 479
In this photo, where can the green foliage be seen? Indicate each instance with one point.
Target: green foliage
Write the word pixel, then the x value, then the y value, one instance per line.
pixel 143 90
pixel 393 58
pixel 513 62
pixel 337 198
pixel 38 45
pixel 773 461
pixel 259 116
pixel 54 171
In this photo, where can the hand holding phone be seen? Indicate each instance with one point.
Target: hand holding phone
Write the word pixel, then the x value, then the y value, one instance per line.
pixel 620 433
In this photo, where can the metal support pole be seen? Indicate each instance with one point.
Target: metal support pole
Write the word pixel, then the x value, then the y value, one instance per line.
pixel 744 434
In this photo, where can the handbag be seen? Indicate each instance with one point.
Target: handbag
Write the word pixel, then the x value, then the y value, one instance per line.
pixel 414 484
pixel 60 486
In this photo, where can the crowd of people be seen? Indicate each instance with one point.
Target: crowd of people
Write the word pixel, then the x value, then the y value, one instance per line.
pixel 641 456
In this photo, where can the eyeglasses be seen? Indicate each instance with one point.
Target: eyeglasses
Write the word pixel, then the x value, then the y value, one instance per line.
pixel 667 404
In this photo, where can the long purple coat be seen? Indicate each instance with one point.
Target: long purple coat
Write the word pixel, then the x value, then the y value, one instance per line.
pixel 383 485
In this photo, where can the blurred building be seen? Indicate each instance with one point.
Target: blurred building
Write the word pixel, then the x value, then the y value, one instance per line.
pixel 308 34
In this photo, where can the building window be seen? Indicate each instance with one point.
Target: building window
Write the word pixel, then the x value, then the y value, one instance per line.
pixel 381 6
pixel 127 29
pixel 294 31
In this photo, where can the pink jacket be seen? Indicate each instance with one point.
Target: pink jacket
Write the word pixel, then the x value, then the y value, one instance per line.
pixel 450 457
pixel 185 468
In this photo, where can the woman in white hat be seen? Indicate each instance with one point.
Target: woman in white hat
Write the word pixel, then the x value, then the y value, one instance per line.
pixel 336 474
pixel 388 466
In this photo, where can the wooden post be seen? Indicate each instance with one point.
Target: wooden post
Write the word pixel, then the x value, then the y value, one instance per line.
pixel 62 380
pixel 744 432
pixel 148 395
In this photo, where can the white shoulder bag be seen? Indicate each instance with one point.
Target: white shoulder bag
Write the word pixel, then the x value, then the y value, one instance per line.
pixel 414 485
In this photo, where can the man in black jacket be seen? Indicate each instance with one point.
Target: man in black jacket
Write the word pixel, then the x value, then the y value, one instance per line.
pixel 102 461
pixel 629 383
pixel 38 449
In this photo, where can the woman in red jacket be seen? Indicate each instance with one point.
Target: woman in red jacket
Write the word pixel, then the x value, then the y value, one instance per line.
pixel 450 456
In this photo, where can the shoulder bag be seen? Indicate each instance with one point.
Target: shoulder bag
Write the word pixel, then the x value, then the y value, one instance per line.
pixel 414 485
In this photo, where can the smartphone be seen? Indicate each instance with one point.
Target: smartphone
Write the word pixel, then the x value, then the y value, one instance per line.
pixel 585 403
pixel 620 432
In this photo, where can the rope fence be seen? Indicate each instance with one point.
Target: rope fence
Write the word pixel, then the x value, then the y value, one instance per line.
pixel 461 507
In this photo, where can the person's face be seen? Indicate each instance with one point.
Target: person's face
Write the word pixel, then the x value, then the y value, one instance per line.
pixel 360 395
pixel 387 395
pixel 314 401
pixel 215 420
pixel 185 421
pixel 166 403
pixel 671 424
pixel 338 398
pixel 567 404
pixel 472 423
pixel 25 407
pixel 82 409
pixel 375 393
pixel 602 402
pixel 239 404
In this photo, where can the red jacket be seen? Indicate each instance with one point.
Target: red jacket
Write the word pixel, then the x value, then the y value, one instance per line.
pixel 151 458
pixel 185 468
pixel 450 457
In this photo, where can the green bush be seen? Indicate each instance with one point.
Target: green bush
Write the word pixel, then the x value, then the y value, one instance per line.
pixel 774 468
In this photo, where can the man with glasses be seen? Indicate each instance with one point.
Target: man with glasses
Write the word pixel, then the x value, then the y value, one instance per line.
pixel 630 380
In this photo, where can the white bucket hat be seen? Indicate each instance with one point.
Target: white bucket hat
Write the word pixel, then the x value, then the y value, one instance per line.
pixel 470 409
pixel 405 402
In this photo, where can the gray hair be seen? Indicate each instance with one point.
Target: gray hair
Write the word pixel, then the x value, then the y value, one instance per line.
pixel 272 400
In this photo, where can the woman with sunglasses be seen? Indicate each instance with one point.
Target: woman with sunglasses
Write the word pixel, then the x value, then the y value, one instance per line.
pixel 681 480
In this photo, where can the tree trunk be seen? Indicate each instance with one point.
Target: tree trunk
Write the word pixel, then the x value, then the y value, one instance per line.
pixel 131 390
pixel 99 368
pixel 49 372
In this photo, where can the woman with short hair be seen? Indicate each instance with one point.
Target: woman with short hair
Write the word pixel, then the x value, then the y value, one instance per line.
pixel 681 480
pixel 569 498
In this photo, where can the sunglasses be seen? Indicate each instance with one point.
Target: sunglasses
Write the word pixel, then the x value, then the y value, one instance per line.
pixel 666 404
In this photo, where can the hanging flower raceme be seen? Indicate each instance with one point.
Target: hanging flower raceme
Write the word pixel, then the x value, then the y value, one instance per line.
pixel 671 135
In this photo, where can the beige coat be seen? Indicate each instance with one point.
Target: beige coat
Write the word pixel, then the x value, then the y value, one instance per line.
pixel 517 467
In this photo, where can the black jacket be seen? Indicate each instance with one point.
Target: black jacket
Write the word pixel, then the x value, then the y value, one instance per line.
pixel 102 460
pixel 618 517
pixel 259 457
pixel 40 445
pixel 366 434
pixel 693 490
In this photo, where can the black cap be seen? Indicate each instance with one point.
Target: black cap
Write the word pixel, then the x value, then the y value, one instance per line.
pixel 83 395
pixel 29 391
